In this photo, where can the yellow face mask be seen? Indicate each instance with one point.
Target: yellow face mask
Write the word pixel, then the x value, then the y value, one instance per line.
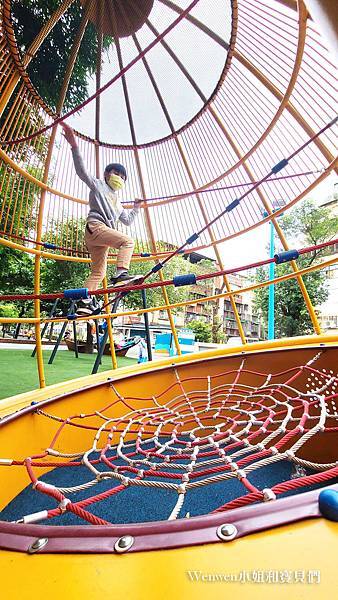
pixel 115 182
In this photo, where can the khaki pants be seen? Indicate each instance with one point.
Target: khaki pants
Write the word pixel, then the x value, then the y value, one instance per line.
pixel 98 243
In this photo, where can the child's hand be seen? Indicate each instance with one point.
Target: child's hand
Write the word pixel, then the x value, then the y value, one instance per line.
pixel 69 135
pixel 137 202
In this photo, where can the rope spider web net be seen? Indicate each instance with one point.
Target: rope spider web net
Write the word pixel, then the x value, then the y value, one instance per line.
pixel 203 444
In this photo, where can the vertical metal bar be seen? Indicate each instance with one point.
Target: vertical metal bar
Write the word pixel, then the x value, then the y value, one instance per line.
pixel 97 335
pixel 17 331
pixel 68 73
pixel 37 315
pixel 100 350
pixel 271 311
pixel 146 324
pixel 60 336
pixel 110 330
pixel 102 345
pixel 76 348
pixel 45 327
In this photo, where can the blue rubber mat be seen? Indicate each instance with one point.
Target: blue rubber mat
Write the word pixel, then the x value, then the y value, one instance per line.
pixel 141 504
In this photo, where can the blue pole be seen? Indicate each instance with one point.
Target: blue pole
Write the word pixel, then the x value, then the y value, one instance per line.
pixel 271 312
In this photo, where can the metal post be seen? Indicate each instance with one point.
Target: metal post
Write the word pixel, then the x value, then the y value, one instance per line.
pixel 50 335
pixel 17 331
pixel 61 334
pixel 97 335
pixel 146 324
pixel 76 349
pixel 100 350
pixel 45 327
pixel 271 311
pixel 102 345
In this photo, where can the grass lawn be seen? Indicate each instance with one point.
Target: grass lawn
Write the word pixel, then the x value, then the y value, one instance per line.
pixel 18 370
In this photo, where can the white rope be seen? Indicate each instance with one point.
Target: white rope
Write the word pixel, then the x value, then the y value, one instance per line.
pixel 221 419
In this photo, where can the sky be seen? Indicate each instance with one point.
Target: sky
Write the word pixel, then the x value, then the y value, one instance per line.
pixel 255 244
pixel 181 100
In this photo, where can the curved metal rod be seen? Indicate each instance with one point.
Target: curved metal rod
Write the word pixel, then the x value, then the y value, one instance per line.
pixel 267 219
pixel 108 84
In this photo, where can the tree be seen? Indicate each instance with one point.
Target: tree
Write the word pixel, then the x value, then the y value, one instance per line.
pixel 217 327
pixel 305 225
pixel 16 271
pixel 19 201
pixel 16 277
pixel 50 62
pixel 202 330
pixel 310 225
pixel 60 275
pixel 7 310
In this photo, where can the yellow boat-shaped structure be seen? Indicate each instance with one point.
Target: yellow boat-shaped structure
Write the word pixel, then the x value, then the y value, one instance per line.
pixel 242 431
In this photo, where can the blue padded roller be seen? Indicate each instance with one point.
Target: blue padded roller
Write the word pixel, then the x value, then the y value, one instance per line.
pixel 76 294
pixel 72 317
pixel 192 238
pixel 283 257
pixel 157 268
pixel 232 205
pixel 181 280
pixel 328 504
pixel 279 166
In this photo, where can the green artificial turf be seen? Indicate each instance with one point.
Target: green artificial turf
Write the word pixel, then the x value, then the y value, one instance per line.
pixel 18 370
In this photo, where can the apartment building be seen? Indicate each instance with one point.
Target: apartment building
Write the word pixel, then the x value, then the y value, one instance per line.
pixel 328 311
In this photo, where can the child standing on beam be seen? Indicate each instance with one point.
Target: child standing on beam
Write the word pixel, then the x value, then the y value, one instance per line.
pixel 105 210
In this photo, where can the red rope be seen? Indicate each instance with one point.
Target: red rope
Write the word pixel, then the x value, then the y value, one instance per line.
pixel 267 419
pixel 223 188
pixel 155 254
pixel 131 288
pixel 286 486
pixel 240 502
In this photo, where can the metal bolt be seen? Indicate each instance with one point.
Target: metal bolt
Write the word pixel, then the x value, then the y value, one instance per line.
pixel 227 532
pixel 37 545
pixel 124 543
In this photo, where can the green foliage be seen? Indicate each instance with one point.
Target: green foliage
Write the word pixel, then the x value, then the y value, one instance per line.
pixel 16 277
pixel 8 310
pixel 16 271
pixel 69 235
pixel 60 275
pixel 310 224
pixel 217 331
pixel 50 63
pixel 304 225
pixel 291 315
pixel 18 200
pixel 202 330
